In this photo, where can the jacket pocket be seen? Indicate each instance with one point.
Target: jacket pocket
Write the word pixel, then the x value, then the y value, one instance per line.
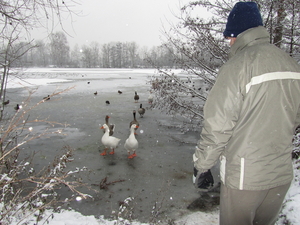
pixel 222 168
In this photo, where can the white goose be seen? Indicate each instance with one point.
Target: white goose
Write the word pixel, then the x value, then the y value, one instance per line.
pixel 109 141
pixel 150 98
pixel 131 144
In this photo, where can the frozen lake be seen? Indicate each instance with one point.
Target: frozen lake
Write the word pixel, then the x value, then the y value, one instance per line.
pixel 159 178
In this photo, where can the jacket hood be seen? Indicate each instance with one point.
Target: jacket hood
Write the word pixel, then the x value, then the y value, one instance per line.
pixel 248 38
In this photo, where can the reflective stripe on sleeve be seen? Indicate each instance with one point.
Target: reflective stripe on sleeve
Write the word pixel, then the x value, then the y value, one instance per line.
pixel 242 174
pixel 272 76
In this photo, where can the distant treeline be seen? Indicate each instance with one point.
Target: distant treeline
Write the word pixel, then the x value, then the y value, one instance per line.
pixel 57 53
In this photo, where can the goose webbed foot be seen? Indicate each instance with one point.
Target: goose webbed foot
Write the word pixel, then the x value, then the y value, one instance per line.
pixel 112 152
pixel 104 153
pixel 131 156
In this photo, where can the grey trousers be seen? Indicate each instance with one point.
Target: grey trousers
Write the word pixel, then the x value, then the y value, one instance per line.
pixel 241 207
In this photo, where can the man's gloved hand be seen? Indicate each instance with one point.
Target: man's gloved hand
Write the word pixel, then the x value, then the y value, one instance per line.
pixel 204 181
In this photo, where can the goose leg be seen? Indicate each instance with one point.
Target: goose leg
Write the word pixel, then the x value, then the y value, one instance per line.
pixel 132 155
pixel 112 152
pixel 104 153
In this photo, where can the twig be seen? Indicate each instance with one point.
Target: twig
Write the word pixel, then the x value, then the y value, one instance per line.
pixel 104 184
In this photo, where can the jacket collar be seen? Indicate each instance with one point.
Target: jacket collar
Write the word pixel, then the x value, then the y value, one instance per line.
pixel 250 37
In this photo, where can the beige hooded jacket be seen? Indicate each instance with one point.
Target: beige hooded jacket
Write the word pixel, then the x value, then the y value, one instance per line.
pixel 251 114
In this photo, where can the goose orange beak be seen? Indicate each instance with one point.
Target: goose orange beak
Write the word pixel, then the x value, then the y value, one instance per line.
pixel 102 127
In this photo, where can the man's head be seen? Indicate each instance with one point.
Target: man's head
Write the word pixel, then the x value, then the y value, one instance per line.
pixel 243 16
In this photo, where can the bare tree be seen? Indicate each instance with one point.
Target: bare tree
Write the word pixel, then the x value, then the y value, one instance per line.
pixel 76 57
pixel 291 28
pixel 23 189
pixel 11 51
pixel 59 49
pixel 198 47
pixel 40 54
pixel 278 31
pixel 87 56
pixel 282 18
pixel 106 52
pixel 95 52
pixel 18 17
pixel 117 55
pixel 132 50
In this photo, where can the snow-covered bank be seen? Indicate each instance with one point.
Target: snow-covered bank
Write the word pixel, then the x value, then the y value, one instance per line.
pixel 14 82
pixel 75 218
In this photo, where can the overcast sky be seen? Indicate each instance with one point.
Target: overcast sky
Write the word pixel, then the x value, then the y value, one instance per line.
pixel 106 21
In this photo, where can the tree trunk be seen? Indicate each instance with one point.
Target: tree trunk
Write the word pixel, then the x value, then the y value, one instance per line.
pixel 278 31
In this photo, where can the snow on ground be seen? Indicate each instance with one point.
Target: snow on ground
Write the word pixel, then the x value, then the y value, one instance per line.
pixel 291 210
pixel 17 83
pixel 75 218
pixel 291 205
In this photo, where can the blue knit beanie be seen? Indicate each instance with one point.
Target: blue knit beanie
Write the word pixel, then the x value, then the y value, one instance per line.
pixel 243 16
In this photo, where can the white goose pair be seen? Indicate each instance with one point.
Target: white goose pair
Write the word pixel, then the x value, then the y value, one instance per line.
pixel 131 143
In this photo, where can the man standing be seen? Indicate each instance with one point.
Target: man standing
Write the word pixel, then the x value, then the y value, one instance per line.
pixel 249 120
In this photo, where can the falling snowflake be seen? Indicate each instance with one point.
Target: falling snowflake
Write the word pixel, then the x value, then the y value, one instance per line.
pixel 78 198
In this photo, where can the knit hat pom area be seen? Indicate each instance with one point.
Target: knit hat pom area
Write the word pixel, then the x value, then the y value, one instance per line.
pixel 243 16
